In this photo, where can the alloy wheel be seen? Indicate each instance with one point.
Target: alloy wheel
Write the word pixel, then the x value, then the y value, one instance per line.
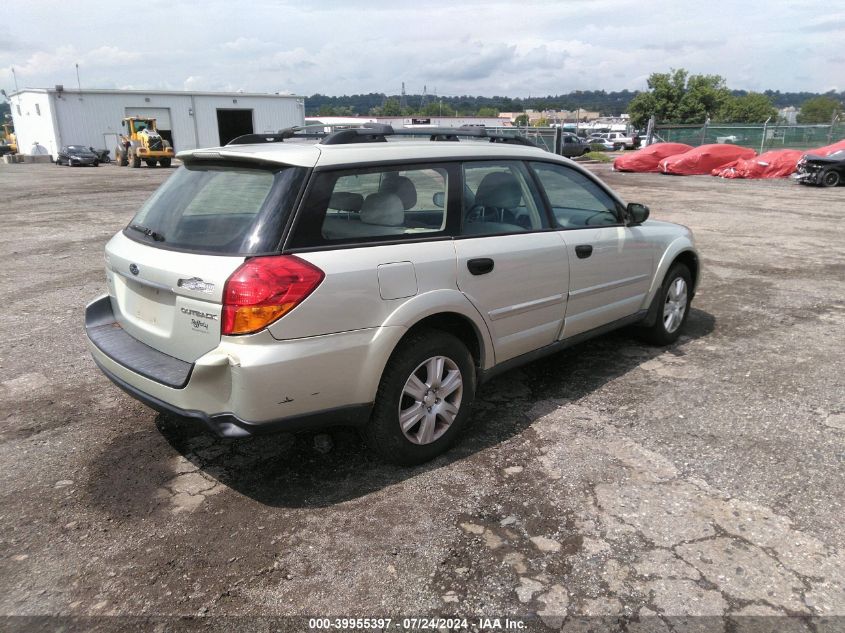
pixel 676 305
pixel 431 399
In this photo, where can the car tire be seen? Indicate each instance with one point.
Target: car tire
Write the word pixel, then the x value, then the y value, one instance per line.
pixel 96 163
pixel 135 161
pixel 164 162
pixel 673 306
pixel 435 407
pixel 830 178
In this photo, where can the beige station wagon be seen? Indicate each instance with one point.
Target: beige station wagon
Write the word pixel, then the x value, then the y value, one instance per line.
pixel 374 280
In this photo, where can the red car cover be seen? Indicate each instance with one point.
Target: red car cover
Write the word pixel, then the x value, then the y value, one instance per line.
pixel 647 158
pixel 704 159
pixel 827 150
pixel 775 164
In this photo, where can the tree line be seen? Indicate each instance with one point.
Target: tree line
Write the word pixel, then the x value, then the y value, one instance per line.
pixel 672 97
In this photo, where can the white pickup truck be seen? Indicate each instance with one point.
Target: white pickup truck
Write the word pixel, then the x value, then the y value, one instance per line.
pixel 620 140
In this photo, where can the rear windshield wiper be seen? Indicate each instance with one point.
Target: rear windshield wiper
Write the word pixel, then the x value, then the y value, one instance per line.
pixel 158 237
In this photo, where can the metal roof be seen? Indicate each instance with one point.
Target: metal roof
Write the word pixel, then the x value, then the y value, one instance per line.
pixel 181 93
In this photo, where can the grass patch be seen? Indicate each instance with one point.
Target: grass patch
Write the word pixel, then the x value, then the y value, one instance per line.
pixel 599 156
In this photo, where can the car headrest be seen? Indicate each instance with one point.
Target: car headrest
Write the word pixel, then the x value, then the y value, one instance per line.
pixel 384 209
pixel 402 187
pixel 499 189
pixel 346 201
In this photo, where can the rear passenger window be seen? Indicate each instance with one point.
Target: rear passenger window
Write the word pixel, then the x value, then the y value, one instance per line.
pixel 576 200
pixel 386 203
pixel 498 198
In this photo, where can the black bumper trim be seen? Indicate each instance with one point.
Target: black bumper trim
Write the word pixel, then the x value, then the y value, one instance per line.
pixel 231 426
pixel 112 340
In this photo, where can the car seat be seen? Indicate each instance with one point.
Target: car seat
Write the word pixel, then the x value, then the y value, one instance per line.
pixel 497 200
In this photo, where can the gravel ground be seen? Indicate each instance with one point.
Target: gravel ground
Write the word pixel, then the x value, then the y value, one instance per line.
pixel 612 486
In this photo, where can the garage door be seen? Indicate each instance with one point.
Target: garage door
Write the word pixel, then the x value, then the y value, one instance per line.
pixel 161 115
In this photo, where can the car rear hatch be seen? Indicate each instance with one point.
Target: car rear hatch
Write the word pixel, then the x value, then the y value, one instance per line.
pixel 167 270
pixel 170 301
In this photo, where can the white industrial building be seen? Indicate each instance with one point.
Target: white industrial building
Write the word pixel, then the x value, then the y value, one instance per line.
pixel 55 117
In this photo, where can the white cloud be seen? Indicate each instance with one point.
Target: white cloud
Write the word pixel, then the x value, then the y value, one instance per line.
pixel 515 48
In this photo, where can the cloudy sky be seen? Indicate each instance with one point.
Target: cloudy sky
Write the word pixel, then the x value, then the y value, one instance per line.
pixel 519 48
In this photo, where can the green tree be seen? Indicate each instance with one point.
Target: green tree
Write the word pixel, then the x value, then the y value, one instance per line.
pixel 488 112
pixel 391 107
pixel 705 96
pixel 751 108
pixel 677 97
pixel 521 119
pixel 819 110
pixel 432 108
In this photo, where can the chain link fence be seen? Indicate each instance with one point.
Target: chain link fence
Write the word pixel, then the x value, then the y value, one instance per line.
pixel 758 137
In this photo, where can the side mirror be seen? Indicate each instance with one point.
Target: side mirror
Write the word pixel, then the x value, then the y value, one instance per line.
pixel 439 199
pixel 637 213
pixel 123 123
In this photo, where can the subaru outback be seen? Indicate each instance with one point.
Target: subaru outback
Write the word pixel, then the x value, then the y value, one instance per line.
pixel 365 279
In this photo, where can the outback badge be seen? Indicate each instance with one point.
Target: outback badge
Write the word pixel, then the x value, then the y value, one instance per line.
pixel 196 284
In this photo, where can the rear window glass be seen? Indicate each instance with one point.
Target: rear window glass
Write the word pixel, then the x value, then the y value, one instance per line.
pixel 227 209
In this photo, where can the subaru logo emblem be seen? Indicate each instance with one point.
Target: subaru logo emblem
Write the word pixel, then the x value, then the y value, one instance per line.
pixel 133 268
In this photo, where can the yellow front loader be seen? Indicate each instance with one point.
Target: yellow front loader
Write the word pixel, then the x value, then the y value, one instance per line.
pixel 8 140
pixel 142 142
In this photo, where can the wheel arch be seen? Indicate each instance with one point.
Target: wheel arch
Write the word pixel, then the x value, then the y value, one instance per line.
pixel 446 310
pixel 459 326
pixel 690 259
pixel 682 251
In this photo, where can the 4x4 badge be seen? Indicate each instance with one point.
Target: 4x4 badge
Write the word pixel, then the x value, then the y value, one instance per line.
pixel 133 268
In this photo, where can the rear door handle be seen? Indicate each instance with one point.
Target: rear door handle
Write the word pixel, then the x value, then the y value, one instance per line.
pixel 583 251
pixel 480 266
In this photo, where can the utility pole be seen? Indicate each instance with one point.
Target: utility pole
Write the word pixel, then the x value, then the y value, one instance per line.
pixel 78 83
pixel 15 75
pixel 403 102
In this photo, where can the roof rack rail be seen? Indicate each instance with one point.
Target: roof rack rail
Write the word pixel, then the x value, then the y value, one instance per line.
pixel 377 133
pixel 301 131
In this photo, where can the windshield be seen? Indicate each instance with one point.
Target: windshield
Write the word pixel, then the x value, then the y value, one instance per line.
pixel 77 149
pixel 219 208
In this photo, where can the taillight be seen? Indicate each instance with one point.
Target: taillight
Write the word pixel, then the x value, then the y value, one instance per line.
pixel 264 289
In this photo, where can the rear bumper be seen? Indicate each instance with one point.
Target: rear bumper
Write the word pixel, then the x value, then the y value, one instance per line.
pixel 250 384
pixel 231 426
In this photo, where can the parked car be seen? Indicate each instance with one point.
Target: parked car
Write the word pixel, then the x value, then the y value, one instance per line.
pixel 602 143
pixel 292 285
pixel 827 171
pixel 76 155
pixel 572 146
